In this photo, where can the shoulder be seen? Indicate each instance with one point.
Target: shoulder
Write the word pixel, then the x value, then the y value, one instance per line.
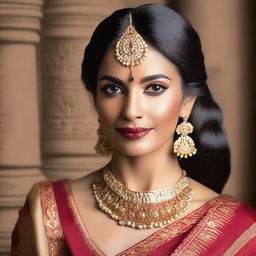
pixel 33 196
pixel 45 192
pixel 226 206
pixel 233 206
pixel 221 202
pixel 244 210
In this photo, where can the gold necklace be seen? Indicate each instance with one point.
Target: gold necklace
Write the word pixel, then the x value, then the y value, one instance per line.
pixel 142 209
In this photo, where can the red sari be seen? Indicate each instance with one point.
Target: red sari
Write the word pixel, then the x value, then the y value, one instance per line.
pixel 50 224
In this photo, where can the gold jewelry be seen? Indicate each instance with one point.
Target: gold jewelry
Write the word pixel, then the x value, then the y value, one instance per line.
pixel 131 49
pixel 184 146
pixel 141 209
pixel 103 146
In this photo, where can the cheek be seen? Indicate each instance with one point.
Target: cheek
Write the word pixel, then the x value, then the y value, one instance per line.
pixel 107 108
pixel 167 112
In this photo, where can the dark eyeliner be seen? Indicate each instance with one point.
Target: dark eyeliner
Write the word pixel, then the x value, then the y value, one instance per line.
pixel 164 88
pixel 107 86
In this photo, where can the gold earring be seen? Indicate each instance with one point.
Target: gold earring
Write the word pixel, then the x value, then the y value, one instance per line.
pixel 184 146
pixel 103 146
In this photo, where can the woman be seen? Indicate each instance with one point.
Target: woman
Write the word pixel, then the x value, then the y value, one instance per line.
pixel 145 70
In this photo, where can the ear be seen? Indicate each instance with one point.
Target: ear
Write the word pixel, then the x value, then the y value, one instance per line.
pixel 187 105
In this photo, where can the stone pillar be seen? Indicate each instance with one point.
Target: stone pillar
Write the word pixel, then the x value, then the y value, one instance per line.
pixel 220 26
pixel 19 109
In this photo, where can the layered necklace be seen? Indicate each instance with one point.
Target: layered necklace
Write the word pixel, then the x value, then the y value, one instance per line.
pixel 141 210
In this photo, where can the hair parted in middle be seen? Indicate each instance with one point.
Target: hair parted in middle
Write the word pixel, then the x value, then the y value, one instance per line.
pixel 174 37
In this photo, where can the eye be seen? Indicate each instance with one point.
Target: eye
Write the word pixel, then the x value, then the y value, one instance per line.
pixel 156 89
pixel 111 89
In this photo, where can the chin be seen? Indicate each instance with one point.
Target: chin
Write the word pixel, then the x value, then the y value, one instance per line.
pixel 135 150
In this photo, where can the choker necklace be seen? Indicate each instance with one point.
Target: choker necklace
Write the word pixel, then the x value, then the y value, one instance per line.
pixel 141 210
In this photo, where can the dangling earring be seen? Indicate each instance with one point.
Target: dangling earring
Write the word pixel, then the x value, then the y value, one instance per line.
pixel 184 146
pixel 103 146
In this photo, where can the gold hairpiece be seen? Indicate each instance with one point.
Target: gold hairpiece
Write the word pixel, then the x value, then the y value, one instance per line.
pixel 131 49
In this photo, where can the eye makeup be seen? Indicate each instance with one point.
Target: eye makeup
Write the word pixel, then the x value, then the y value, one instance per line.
pixel 116 86
pixel 112 90
pixel 154 89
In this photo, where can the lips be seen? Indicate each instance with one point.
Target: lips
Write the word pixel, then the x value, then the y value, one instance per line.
pixel 133 130
pixel 133 133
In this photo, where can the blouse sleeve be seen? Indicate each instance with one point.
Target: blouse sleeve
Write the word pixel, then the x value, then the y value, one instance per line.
pixel 28 237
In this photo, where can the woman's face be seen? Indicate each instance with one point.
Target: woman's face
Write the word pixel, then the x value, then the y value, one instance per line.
pixel 154 101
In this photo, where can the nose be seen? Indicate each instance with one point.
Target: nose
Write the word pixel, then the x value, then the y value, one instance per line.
pixel 133 106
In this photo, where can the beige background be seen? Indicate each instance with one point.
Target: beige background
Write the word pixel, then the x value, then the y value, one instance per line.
pixel 47 123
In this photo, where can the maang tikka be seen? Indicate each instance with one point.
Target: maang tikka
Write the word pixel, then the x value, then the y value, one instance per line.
pixel 131 49
pixel 184 146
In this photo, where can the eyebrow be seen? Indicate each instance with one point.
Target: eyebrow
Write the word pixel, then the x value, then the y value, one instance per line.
pixel 145 79
pixel 153 77
pixel 112 79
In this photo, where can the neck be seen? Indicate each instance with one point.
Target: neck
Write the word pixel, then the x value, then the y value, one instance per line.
pixel 148 172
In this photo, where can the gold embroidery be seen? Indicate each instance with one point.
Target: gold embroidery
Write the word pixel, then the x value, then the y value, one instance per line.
pixel 169 232
pixel 155 240
pixel 242 240
pixel 53 230
pixel 209 229
pixel 174 231
pixel 211 224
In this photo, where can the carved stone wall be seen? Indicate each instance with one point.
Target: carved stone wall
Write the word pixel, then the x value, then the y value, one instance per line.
pixel 19 109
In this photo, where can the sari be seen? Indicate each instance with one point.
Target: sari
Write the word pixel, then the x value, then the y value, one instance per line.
pixel 50 224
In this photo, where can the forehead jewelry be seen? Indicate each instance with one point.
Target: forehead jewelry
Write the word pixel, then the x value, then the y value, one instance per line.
pixel 131 49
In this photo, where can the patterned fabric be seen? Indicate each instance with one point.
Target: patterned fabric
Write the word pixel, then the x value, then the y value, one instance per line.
pixel 242 241
pixel 222 226
pixel 53 230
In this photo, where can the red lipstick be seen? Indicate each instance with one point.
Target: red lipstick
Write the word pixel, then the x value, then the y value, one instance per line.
pixel 133 133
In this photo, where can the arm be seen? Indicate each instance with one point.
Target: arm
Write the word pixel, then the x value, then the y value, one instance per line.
pixel 28 237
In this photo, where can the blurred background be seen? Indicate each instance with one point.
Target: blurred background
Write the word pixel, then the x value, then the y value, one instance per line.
pixel 47 122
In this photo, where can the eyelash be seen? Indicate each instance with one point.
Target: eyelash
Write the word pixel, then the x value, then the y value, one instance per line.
pixel 111 94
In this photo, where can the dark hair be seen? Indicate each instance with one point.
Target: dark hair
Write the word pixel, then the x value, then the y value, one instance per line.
pixel 175 38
